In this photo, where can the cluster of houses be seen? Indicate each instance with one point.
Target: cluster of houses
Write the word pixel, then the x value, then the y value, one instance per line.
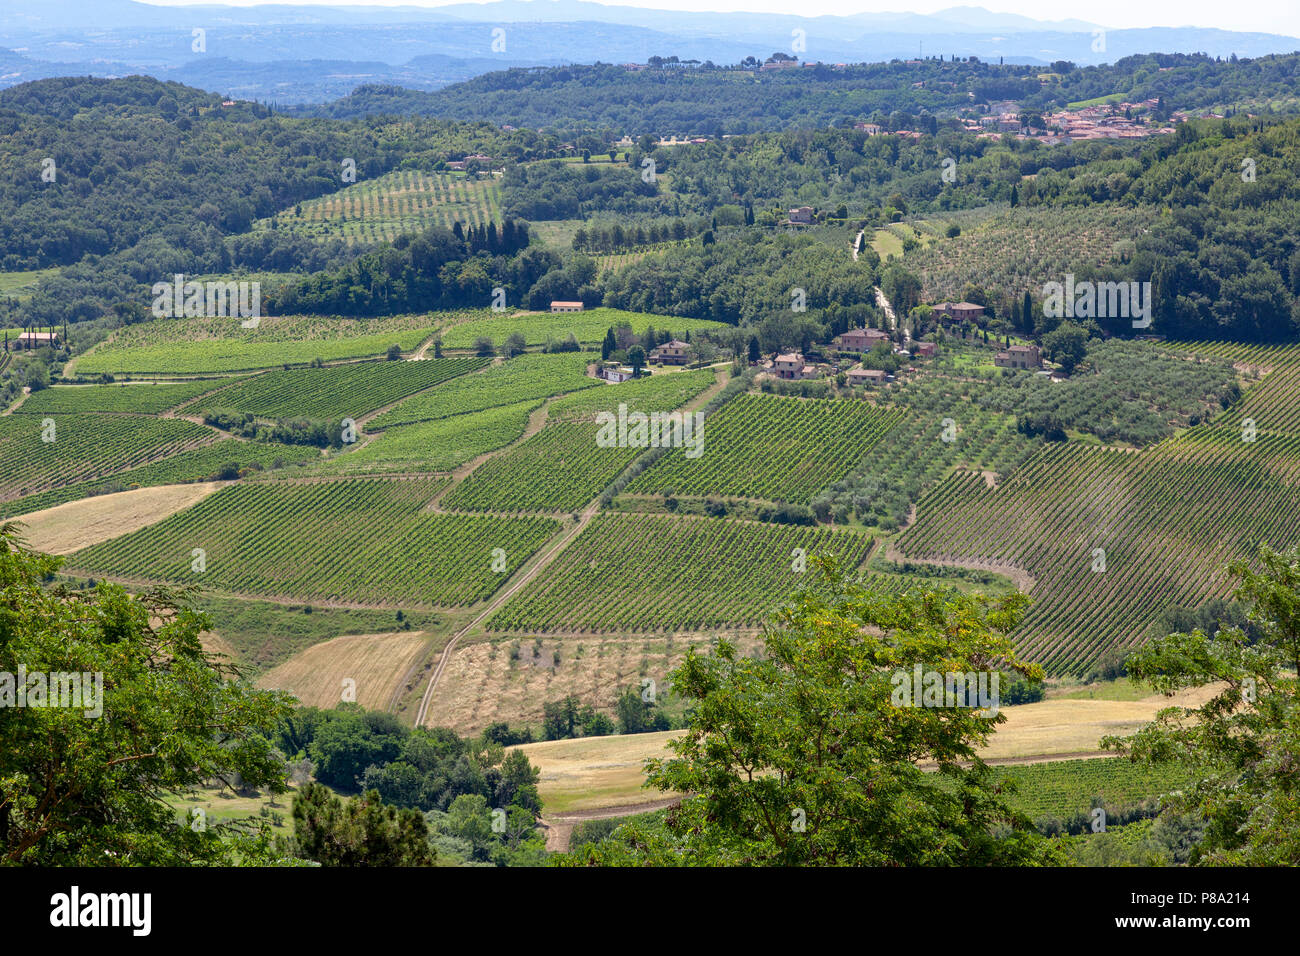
pixel 1106 121
pixel 793 366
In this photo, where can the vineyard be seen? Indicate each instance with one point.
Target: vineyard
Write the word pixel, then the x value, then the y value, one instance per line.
pixel 37 454
pixel 587 327
pixel 561 468
pixel 336 391
pixel 1273 402
pixel 523 378
pixel 438 445
pixel 1062 788
pixel 914 455
pixel 362 541
pixel 1113 537
pixel 662 392
pixel 405 201
pixel 198 464
pixel 193 346
pixel 773 448
pixel 648 572
pixel 1026 247
pixel 136 399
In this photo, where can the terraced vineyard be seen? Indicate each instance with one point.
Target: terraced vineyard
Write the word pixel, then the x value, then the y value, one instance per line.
pixel 336 391
pixel 661 392
pixel 588 326
pixel 135 399
pixel 363 541
pixel 561 468
pixel 195 346
pixel 771 447
pixel 85 447
pixel 1161 522
pixel 523 378
pixel 648 572
pixel 198 464
pixel 404 201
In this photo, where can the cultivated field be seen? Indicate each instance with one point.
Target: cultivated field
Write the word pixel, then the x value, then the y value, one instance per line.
pixel 79 524
pixel 561 468
pixel 1114 537
pixel 771 447
pixel 649 572
pixel 509 679
pixel 38 453
pixel 224 459
pixel 194 346
pixel 1026 247
pixel 140 398
pixel 364 668
pixel 404 201
pixel 438 445
pixel 521 379
pixel 587 327
pixel 362 541
pixel 336 391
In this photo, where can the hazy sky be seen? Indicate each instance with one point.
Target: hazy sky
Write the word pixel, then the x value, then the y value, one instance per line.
pixel 1270 16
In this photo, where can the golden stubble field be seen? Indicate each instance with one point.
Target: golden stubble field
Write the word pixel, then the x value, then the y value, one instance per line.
pixel 376 663
pixel 70 527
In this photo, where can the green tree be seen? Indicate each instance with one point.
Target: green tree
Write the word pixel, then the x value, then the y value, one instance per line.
pixel 800 756
pixel 636 359
pixel 609 346
pixel 515 344
pixel 361 831
pixel 1243 744
pixel 84 789
pixel 469 819
pixel 1066 345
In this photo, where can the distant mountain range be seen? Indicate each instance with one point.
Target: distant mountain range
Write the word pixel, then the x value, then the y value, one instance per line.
pixel 309 54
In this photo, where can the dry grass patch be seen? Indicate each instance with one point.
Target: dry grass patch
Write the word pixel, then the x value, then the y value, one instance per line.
pixel 596 771
pixel 70 527
pixel 607 771
pixel 376 662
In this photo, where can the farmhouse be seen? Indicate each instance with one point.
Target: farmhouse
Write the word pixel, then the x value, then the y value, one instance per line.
pixel 866 376
pixel 959 311
pixel 33 340
pixel 616 374
pixel 791 365
pixel 862 340
pixel 1019 356
pixel 924 349
pixel 670 353
pixel 558 305
pixel 801 216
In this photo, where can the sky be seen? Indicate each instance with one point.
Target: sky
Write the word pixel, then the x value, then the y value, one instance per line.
pixel 1267 16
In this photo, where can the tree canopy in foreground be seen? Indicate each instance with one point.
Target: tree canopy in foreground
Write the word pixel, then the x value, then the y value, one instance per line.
pixel 801 757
